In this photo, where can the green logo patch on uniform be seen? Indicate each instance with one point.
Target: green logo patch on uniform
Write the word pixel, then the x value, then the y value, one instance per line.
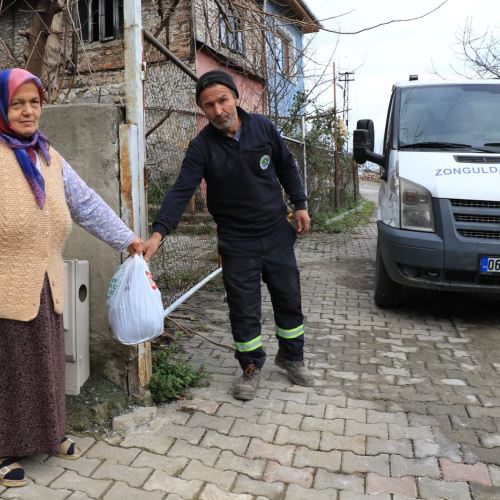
pixel 264 162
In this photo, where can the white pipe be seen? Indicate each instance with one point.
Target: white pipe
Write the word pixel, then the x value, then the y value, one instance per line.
pixel 172 307
pixel 296 141
pixel 304 152
pixel 134 99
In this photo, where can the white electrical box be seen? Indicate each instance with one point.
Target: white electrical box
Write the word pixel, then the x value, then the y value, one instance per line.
pixel 76 324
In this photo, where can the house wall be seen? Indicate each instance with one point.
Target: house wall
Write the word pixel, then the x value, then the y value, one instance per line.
pixel 100 70
pixel 13 20
pixel 177 35
pixel 282 89
pixel 100 75
pixel 86 135
pixel 105 83
pixel 207 31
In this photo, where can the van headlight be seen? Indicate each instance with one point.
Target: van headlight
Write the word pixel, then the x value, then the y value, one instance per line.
pixel 416 207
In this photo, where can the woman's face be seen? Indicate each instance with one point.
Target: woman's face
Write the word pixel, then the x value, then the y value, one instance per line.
pixel 25 109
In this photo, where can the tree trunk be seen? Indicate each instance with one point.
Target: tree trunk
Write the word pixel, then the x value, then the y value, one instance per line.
pixel 40 31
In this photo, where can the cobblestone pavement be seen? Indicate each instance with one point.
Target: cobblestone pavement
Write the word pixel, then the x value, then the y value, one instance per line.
pixel 407 404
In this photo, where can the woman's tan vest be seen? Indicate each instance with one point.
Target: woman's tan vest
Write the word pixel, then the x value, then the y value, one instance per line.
pixel 31 239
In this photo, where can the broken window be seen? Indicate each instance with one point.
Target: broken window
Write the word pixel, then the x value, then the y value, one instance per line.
pixel 231 30
pixel 100 20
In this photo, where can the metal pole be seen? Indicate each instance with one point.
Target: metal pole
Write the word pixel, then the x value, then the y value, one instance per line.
pixel 132 150
pixel 172 307
pixel 164 50
pixel 304 152
pixel 335 152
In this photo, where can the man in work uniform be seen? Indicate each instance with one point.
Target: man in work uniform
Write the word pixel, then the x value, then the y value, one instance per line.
pixel 245 164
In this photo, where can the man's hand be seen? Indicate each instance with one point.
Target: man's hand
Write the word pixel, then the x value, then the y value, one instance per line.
pixel 302 221
pixel 151 246
pixel 136 246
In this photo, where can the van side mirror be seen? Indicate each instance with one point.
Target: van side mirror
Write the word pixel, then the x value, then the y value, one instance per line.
pixel 369 127
pixel 364 142
pixel 361 146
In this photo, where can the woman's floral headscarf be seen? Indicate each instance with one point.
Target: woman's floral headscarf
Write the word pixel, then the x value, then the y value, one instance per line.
pixel 24 148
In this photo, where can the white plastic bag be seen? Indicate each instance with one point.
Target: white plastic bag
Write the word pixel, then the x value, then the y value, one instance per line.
pixel 135 309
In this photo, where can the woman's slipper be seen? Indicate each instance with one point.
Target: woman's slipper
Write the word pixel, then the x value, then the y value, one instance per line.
pixel 11 473
pixel 68 450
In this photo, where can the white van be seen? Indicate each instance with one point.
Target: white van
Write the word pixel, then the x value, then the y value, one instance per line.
pixel 439 199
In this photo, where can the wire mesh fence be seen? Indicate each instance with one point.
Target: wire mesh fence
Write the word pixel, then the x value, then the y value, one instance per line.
pixel 348 180
pixel 190 253
pixel 299 154
pixel 320 180
pixel 316 165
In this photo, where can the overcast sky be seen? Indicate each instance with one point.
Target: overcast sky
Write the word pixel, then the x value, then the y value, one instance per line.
pixel 391 53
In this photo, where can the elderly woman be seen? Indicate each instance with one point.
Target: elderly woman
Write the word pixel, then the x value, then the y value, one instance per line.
pixel 40 194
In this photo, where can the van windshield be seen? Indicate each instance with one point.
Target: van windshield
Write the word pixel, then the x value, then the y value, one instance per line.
pixel 450 117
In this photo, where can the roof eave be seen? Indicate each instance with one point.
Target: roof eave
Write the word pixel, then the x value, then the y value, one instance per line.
pixel 309 23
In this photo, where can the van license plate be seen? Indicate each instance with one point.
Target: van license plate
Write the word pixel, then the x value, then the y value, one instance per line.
pixel 489 265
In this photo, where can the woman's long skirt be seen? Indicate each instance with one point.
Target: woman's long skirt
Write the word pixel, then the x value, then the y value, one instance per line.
pixel 32 388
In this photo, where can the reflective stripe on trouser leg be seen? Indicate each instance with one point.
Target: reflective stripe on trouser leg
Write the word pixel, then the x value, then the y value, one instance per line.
pixel 281 275
pixel 242 281
pixel 291 342
pixel 251 345
pixel 292 333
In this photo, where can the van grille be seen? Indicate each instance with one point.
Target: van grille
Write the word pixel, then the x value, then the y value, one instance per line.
pixel 484 219
pixel 475 203
pixel 490 235
pixel 476 218
pixel 477 159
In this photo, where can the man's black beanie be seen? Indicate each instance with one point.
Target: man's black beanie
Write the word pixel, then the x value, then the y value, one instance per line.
pixel 213 77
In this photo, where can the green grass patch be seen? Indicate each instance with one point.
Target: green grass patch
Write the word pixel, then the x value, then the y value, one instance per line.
pixel 172 374
pixel 324 222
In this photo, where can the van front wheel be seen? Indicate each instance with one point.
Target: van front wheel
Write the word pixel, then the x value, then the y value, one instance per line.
pixel 387 292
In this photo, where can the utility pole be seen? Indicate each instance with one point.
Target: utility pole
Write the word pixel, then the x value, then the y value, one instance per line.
pixel 132 160
pixel 335 150
pixel 345 78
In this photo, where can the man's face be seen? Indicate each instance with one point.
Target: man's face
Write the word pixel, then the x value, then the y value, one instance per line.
pixel 219 105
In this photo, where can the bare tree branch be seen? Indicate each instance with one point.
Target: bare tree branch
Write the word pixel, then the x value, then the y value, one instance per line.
pixel 386 23
pixel 480 54
pixel 300 23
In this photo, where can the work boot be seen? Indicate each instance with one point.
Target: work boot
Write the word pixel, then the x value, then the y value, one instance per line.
pixel 248 383
pixel 296 371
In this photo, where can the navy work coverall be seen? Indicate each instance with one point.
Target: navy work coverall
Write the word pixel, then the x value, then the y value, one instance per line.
pixel 244 178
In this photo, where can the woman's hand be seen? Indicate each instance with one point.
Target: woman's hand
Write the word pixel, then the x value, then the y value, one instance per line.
pixel 137 246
